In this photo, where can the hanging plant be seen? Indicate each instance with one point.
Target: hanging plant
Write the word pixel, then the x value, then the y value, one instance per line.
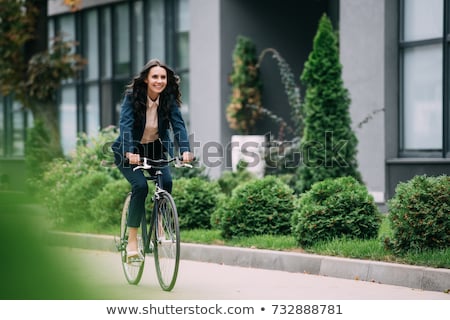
pixel 292 91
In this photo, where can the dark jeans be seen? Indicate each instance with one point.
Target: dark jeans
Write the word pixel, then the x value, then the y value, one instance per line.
pixel 139 187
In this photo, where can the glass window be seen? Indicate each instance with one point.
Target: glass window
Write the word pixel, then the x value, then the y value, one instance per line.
pixel 423 19
pixel 51 29
pixel 91 45
pixel 138 21
pixel 107 107
pixel 184 87
pixel 105 43
pixel 68 119
pixel 182 54
pixel 422 77
pixel 14 121
pixel 183 15
pixel 183 50
pixel 423 97
pixel 122 61
pixel 183 35
pixel 67 31
pixel 92 104
pixel 67 27
pixel 156 30
pixel 18 130
pixel 118 88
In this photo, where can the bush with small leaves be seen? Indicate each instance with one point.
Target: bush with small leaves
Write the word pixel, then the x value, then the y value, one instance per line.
pixel 197 170
pixel 64 187
pixel 55 182
pixel 106 207
pixel 258 207
pixel 334 208
pixel 231 179
pixel 215 219
pixel 195 199
pixel 75 200
pixel 419 214
pixel 94 153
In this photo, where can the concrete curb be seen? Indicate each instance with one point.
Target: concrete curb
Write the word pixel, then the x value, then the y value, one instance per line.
pixel 431 279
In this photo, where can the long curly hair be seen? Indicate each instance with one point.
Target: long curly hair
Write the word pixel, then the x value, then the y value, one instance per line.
pixel 138 89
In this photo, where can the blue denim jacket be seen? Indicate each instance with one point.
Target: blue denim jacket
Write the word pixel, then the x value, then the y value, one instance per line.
pixel 130 135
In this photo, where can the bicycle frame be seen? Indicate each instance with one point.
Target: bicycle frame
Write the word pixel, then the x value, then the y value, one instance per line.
pixel 160 238
pixel 147 233
pixel 157 178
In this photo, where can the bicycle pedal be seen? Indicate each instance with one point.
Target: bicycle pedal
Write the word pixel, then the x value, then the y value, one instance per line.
pixel 165 241
pixel 149 249
pixel 119 244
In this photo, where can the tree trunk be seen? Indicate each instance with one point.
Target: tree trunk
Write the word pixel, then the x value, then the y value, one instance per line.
pixel 48 115
pixel 44 113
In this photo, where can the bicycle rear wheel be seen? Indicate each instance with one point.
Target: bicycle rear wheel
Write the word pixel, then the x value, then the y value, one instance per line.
pixel 134 268
pixel 166 241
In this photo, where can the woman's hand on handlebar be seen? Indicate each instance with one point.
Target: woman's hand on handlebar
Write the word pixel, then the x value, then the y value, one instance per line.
pixel 133 158
pixel 188 156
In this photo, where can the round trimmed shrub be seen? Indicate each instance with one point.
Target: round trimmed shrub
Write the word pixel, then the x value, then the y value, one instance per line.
pixel 335 208
pixel 258 207
pixel 196 200
pixel 419 214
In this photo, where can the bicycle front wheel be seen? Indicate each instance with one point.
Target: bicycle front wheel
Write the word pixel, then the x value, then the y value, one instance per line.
pixel 132 268
pixel 166 241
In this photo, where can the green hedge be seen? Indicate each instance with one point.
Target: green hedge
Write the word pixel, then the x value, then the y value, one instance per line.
pixel 196 200
pixel 258 207
pixel 106 206
pixel 335 208
pixel 419 214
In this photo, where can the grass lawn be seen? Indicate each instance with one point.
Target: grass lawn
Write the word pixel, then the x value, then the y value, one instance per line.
pixel 358 249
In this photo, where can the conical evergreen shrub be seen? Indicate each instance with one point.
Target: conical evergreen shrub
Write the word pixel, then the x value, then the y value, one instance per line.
pixel 244 109
pixel 328 145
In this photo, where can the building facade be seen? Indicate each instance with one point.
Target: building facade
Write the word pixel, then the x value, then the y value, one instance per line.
pixel 394 54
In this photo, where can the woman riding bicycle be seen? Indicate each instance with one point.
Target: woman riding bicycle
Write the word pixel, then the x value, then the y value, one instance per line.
pixel 150 108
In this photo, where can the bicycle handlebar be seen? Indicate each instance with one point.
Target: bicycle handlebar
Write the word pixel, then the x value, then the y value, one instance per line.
pixel 148 163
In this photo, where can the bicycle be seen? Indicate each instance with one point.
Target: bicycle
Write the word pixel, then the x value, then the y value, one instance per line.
pixel 162 235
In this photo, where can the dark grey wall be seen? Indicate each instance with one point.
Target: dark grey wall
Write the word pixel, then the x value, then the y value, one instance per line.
pixel 391 85
pixel 402 170
pixel 364 39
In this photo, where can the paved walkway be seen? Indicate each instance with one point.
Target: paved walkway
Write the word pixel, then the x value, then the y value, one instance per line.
pixel 430 279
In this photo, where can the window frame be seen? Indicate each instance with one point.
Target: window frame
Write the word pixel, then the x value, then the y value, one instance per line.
pixel 444 40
